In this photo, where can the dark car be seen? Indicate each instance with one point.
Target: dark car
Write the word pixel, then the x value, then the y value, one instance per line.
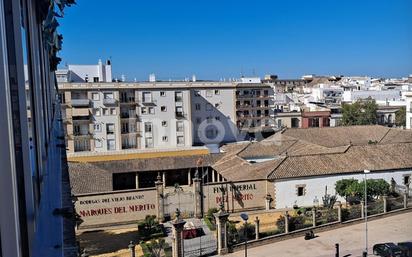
pixel 406 248
pixel 387 250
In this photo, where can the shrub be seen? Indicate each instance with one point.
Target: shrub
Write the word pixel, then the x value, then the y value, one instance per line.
pixel 150 227
pixel 210 212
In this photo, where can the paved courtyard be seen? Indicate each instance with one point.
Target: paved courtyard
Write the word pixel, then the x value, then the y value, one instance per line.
pixel 351 239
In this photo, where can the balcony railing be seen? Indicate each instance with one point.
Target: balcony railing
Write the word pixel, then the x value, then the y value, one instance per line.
pixel 80 102
pixel 109 101
pixel 128 100
pixel 180 115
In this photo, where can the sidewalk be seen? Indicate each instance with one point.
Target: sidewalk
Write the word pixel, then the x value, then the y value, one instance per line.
pixel 396 228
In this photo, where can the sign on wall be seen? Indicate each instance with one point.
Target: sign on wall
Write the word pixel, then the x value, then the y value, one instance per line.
pixel 116 207
pixel 235 196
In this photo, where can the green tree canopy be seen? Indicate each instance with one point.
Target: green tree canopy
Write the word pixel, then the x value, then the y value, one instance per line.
pixel 400 117
pixel 342 186
pixel 352 187
pixel 362 112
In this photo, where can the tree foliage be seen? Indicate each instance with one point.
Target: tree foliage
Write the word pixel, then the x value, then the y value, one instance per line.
pixel 157 247
pixel 362 112
pixel 342 187
pixel 400 117
pixel 353 188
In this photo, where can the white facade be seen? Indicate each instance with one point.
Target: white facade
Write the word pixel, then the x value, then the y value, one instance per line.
pixel 408 110
pixel 315 187
pixel 381 97
pixel 86 73
pixel 103 117
pixel 165 118
pixel 213 115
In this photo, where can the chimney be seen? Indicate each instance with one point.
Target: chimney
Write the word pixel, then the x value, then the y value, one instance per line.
pixel 194 78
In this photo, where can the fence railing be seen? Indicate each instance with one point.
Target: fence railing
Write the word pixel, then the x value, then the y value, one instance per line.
pixel 313 218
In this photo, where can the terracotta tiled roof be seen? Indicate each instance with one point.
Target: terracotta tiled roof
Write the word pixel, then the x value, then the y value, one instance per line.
pixel 320 151
pixel 355 159
pixel 339 136
pixel 101 172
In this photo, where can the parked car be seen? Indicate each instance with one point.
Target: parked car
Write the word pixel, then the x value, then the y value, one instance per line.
pixel 387 250
pixel 406 248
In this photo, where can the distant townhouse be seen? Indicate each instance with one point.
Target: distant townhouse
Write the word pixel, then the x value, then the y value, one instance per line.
pixel 408 110
pixel 86 73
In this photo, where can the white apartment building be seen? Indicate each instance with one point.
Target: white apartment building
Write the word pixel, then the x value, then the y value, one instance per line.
pixel 102 117
pixel 408 96
pixel 380 96
pixel 86 73
pixel 213 113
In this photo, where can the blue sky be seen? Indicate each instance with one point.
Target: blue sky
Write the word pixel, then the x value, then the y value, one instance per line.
pixel 220 38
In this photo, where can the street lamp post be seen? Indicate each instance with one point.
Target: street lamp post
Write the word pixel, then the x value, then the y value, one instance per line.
pixel 245 217
pixel 365 172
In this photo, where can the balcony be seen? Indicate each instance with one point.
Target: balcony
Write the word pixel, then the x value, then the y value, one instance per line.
pixel 180 115
pixel 128 101
pixel 109 101
pixel 80 112
pixel 80 102
pixel 128 133
pixel 129 116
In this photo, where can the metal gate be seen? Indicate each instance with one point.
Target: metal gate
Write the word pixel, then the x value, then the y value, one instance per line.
pixel 179 199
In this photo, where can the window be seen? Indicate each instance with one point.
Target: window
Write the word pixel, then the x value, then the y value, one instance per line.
pixel 313 122
pixel 96 112
pixel 209 93
pixel 110 128
pixel 95 79
pixel 208 107
pixel 164 123
pixel 197 93
pixel 164 139
pixel 179 126
pixel 162 93
pixel 97 127
pixel 300 190
pixel 217 118
pixel 113 111
pixel 149 142
pixel 124 181
pixel 180 140
pixel 106 111
pixel 108 95
pixel 210 133
pixel 148 126
pixel 217 105
pixel 151 110
pixel 98 143
pixel 144 110
pixel 406 179
pixel 111 144
pixel 163 108
pixel 197 107
pixel 147 97
pixel 217 92
pixel 179 96
pixel 179 111
pixel 95 96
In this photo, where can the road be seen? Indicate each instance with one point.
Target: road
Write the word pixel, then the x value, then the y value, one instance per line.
pixel 351 239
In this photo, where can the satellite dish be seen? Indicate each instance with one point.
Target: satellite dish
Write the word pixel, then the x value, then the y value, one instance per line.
pixel 244 216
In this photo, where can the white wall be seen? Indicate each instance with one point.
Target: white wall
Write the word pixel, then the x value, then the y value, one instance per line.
pixel 286 191
pixel 409 110
pixel 225 111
